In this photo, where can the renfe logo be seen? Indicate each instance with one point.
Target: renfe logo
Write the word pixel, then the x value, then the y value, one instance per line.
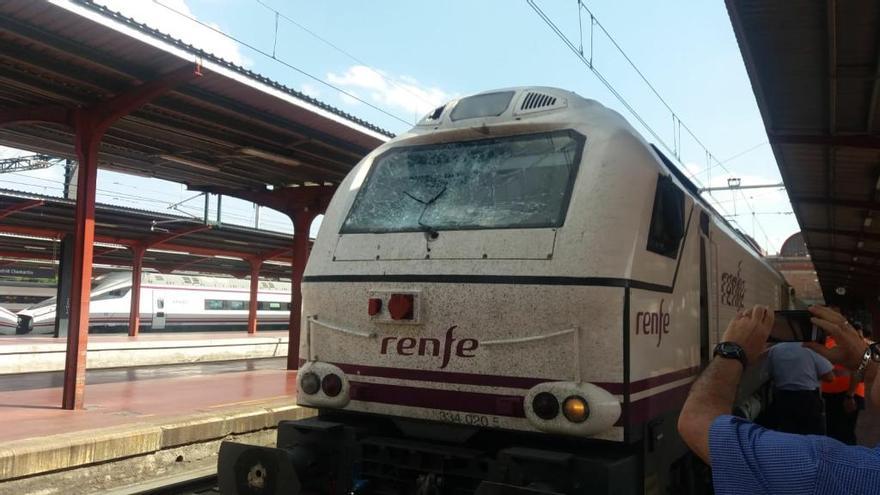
pixel 426 346
pixel 733 288
pixel 653 323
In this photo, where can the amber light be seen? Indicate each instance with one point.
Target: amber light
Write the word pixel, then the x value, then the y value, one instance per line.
pixel 575 409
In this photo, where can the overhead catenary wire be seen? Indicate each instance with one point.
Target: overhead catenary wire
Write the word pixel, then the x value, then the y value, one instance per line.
pixel 278 14
pixel 283 62
pixel 677 124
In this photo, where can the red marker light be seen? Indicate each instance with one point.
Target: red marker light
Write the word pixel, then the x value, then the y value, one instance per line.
pixel 331 385
pixel 375 306
pixel 401 306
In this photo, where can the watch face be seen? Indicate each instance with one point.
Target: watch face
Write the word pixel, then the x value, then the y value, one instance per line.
pixel 728 348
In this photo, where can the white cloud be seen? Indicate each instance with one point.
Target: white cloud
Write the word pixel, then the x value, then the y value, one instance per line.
pixel 178 26
pixel 390 92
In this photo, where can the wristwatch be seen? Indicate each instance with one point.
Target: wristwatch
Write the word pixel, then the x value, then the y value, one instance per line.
pixel 860 371
pixel 731 350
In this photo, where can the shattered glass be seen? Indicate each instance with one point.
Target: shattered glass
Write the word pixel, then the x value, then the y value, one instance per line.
pixel 502 183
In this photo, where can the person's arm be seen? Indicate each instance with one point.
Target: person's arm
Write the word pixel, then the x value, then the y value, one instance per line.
pixel 872 384
pixel 711 396
pixel 824 368
pixel 713 393
pixel 849 350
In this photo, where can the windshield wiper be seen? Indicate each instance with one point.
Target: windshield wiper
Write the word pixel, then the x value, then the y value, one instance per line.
pixel 431 231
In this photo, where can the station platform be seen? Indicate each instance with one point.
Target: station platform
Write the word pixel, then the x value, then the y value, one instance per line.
pixel 30 354
pixel 138 430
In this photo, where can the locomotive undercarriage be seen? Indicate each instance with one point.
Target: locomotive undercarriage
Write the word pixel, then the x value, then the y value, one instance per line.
pixel 337 454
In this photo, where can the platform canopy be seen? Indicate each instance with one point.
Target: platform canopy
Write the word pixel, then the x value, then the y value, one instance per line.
pixel 229 127
pixel 81 82
pixel 815 71
pixel 31 225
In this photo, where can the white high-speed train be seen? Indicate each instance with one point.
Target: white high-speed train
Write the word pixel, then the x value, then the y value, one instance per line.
pixel 171 302
pixel 516 294
pixel 8 322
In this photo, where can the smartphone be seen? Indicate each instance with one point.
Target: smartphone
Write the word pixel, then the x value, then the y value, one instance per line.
pixel 795 326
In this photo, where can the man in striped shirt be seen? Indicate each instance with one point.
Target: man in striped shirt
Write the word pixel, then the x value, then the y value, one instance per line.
pixel 746 458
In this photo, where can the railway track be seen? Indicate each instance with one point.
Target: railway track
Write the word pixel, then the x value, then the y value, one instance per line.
pixel 196 483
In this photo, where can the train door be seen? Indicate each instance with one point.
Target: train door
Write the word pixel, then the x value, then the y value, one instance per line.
pixel 713 293
pixel 158 310
pixel 705 340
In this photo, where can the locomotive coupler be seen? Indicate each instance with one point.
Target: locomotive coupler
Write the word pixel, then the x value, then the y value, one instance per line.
pixel 311 456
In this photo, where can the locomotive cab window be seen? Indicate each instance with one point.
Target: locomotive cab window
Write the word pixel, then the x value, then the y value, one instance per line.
pixel 667 219
pixel 511 182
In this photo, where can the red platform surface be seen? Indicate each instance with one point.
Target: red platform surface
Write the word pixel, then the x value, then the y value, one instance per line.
pixel 145 337
pixel 37 412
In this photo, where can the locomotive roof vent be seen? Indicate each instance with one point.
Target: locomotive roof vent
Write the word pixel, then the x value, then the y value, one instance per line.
pixel 433 117
pixel 535 101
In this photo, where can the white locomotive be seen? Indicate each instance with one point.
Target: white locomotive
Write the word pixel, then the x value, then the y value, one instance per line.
pixel 169 303
pixel 514 295
pixel 8 322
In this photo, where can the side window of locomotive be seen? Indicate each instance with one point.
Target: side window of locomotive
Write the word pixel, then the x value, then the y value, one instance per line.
pixel 667 219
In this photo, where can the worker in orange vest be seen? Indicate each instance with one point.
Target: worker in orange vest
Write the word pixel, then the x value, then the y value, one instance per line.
pixel 843 400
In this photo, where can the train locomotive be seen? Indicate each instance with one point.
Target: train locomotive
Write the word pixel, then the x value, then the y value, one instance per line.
pixel 170 302
pixel 512 297
pixel 8 322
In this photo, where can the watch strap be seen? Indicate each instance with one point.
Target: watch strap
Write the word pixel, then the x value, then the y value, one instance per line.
pixel 860 371
pixel 731 350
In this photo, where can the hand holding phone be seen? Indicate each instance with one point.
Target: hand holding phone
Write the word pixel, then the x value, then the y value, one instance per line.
pixel 795 326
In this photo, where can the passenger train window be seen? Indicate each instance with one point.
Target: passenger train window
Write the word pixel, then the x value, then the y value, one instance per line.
pixel 235 305
pixel 667 219
pixel 113 294
pixel 225 304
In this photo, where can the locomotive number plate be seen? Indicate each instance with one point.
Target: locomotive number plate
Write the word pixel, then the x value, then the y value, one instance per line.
pixel 468 419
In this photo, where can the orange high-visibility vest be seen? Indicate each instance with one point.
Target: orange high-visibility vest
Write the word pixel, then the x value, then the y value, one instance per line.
pixel 841 377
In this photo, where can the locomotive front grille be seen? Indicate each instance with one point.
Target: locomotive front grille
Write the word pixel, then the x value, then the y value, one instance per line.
pixel 394 466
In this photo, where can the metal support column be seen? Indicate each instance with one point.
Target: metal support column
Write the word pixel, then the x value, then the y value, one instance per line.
pixel 89 124
pixel 302 222
pixel 87 142
pixel 134 314
pixel 254 302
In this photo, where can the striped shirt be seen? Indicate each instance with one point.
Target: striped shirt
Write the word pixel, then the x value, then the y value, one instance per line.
pixel 749 459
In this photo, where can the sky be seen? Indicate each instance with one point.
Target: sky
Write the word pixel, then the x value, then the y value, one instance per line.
pixel 390 61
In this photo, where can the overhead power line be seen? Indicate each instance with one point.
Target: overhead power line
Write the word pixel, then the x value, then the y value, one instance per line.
pixel 289 65
pixel 586 54
pixel 389 80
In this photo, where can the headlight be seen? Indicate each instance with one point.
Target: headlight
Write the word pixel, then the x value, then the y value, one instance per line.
pixel 546 405
pixel 575 409
pixel 310 383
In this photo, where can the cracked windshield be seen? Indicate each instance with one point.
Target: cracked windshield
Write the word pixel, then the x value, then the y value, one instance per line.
pixel 511 182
